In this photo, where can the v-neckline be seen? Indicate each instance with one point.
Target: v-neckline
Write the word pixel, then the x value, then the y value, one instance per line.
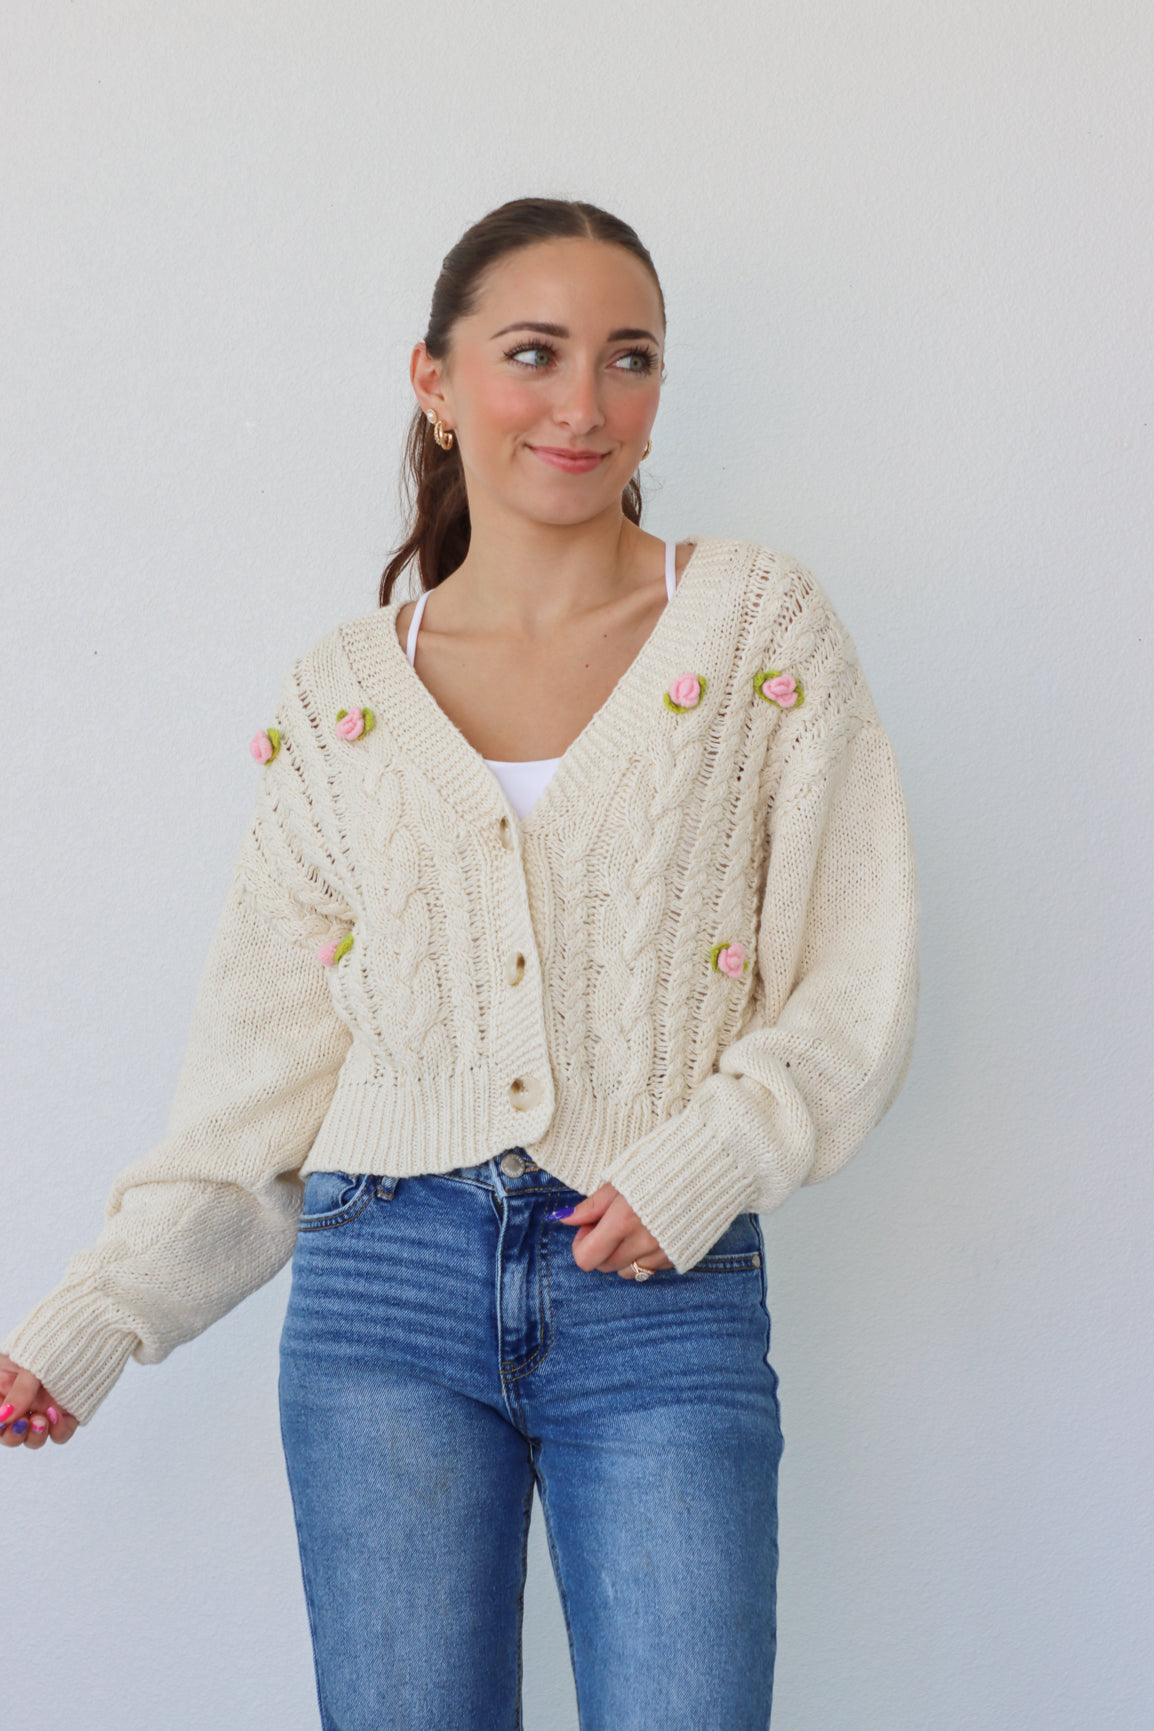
pixel 421 726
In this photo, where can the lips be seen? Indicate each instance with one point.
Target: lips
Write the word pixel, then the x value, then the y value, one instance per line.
pixel 570 462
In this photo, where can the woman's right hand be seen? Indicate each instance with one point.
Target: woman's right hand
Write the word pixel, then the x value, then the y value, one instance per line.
pixel 23 1398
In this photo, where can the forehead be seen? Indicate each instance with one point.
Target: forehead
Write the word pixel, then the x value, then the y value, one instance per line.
pixel 563 281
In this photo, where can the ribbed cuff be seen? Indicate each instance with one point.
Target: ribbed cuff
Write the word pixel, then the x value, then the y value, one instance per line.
pixel 691 1177
pixel 77 1353
pixel 683 1184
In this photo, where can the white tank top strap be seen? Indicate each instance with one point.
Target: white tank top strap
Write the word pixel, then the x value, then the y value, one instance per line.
pixel 670 568
pixel 415 626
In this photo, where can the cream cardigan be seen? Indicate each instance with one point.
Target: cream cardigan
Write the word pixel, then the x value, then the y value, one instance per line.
pixel 691 970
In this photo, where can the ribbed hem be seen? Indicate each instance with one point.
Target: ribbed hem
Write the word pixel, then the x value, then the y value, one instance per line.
pixel 687 1178
pixel 78 1357
pixel 412 1124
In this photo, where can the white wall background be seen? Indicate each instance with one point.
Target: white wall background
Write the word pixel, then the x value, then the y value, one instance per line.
pixel 906 248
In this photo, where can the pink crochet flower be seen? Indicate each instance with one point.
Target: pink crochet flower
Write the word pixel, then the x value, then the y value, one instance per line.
pixel 351 723
pixel 354 723
pixel 685 691
pixel 731 960
pixel 330 954
pixel 265 744
pixel 779 688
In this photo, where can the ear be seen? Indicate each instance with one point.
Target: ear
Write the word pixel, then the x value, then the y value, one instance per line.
pixel 427 381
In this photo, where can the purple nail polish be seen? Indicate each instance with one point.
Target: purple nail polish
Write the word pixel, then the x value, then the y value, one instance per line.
pixel 561 1213
pixel 20 1426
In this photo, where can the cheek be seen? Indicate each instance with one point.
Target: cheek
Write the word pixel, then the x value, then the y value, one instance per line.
pixel 506 405
pixel 633 411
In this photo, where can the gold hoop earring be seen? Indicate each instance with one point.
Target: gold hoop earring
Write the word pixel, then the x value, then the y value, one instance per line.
pixel 442 434
pixel 647 450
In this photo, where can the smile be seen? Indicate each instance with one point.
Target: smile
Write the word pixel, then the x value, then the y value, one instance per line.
pixel 571 462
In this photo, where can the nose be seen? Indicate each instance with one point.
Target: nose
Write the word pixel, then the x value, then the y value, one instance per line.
pixel 578 404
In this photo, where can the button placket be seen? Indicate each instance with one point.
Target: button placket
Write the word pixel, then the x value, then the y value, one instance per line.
pixel 528 1090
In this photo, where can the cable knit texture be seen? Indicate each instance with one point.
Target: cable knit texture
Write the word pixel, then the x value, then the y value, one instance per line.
pixel 550 983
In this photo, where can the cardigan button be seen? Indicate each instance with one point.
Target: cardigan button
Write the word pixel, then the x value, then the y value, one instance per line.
pixel 505 831
pixel 524 1092
pixel 515 969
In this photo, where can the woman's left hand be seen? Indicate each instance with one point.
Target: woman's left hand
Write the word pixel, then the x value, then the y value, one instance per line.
pixel 610 1235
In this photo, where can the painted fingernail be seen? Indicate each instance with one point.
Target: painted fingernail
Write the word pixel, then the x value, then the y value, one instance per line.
pixel 561 1213
pixel 53 1415
pixel 39 1424
pixel 20 1426
pixel 6 1412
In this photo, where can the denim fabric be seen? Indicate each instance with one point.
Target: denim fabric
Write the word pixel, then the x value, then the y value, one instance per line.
pixel 442 1353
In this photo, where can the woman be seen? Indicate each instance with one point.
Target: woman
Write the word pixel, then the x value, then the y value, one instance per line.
pixel 575 926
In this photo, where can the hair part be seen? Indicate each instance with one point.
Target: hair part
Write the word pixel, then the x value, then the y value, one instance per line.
pixel 432 480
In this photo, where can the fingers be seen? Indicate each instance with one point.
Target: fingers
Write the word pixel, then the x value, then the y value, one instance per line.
pixel 589 1209
pixel 37 1433
pixel 61 1424
pixel 18 1398
pixel 29 1415
pixel 601 1245
pixel 641 1248
pixel 609 1236
pixel 616 1240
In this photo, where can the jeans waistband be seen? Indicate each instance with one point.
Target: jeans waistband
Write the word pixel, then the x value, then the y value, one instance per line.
pixel 512 1171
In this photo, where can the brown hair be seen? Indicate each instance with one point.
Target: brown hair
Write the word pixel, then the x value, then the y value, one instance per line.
pixel 433 482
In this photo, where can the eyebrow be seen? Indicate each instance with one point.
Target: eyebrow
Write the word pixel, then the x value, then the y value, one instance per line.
pixel 624 334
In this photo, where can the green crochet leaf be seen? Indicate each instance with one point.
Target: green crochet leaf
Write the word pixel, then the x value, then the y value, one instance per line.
pixel 343 947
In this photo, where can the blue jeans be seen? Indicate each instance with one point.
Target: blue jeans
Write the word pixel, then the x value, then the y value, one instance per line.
pixel 442 1354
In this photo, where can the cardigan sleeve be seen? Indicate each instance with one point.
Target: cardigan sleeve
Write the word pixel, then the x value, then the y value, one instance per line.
pixel 210 1214
pixel 793 1098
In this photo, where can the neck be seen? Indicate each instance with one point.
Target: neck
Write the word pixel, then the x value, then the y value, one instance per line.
pixel 529 578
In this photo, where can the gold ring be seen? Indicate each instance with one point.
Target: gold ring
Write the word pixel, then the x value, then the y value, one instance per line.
pixel 640 1273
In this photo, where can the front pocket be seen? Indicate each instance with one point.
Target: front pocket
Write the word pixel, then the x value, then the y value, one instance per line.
pixel 711 1264
pixel 332 1198
pixel 737 1250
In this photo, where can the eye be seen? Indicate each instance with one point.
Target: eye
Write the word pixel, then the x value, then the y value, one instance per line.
pixel 528 349
pixel 645 358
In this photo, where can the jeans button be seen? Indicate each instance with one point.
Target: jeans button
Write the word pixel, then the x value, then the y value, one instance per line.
pixel 512 1165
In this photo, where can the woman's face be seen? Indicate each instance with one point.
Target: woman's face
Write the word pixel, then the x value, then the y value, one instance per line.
pixel 522 397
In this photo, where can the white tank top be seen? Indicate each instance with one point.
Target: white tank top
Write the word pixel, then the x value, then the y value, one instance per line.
pixel 524 780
